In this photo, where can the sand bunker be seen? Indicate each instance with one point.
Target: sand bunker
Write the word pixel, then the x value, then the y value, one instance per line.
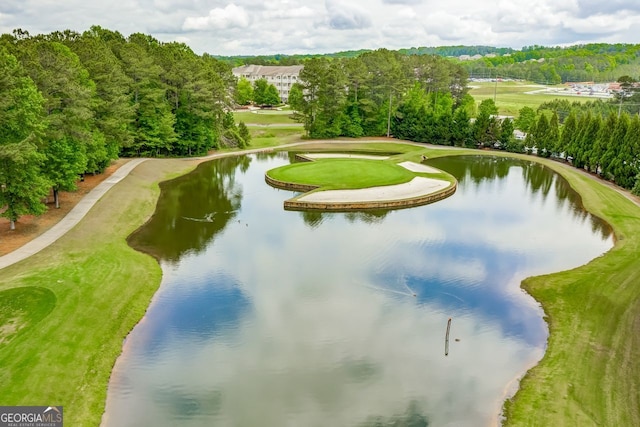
pixel 418 186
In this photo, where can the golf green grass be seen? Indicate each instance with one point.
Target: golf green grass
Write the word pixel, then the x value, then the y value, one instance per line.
pixel 80 297
pixel 345 173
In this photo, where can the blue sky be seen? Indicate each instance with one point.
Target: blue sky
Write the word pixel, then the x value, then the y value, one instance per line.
pixel 307 26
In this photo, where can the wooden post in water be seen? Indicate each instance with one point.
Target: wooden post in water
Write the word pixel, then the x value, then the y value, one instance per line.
pixel 446 338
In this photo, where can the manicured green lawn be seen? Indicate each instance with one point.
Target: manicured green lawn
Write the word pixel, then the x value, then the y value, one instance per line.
pixel 22 308
pixel 264 117
pixel 272 136
pixel 71 305
pixel 510 97
pixel 343 173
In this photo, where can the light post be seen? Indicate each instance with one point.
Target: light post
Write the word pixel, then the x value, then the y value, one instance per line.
pixel 391 89
pixel 622 95
pixel 389 117
pixel 3 187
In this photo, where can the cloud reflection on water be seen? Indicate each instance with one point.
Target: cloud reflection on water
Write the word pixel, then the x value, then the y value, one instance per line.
pixel 315 324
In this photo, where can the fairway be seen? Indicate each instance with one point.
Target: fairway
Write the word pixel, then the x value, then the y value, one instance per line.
pixel 274 135
pixel 265 117
pixel 21 309
pixel 510 97
pixel 269 128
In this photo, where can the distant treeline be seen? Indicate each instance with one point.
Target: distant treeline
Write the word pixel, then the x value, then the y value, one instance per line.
pixel 552 65
pixel 70 103
pixel 296 59
pixel 597 62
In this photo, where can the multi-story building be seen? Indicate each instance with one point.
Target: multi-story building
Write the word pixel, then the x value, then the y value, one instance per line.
pixel 282 77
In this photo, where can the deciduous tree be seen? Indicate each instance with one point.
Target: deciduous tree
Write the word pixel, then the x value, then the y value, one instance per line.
pixel 244 92
pixel 22 184
pixel 68 91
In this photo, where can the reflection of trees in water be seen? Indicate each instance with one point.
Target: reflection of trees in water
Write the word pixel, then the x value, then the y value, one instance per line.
pixel 291 155
pixel 368 217
pixel 539 180
pixel 265 155
pixel 192 209
pixel 315 218
pixel 412 417
pixel 476 169
pixel 312 218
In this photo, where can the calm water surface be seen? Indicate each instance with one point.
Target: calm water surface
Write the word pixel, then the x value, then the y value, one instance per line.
pixel 273 318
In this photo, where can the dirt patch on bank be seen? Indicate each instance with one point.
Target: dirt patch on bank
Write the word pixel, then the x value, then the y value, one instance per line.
pixel 29 227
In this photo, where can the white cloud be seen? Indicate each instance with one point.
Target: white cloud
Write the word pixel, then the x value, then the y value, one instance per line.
pixel 600 24
pixel 450 27
pixel 296 13
pixel 258 27
pixel 231 16
pixel 595 7
pixel 347 16
pixel 402 1
pixel 406 12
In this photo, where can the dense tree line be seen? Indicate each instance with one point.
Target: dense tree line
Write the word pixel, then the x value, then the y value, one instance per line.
pixel 601 136
pixel 456 51
pixel 598 137
pixel 378 93
pixel 552 65
pixel 543 64
pixel 608 146
pixel 601 141
pixel 420 98
pixel 261 93
pixel 281 59
pixel 70 103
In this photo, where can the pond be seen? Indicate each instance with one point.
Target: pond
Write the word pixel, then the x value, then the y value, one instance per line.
pixel 267 317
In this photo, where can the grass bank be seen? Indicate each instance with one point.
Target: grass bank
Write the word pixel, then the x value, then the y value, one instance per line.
pixel 590 374
pixel 78 299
